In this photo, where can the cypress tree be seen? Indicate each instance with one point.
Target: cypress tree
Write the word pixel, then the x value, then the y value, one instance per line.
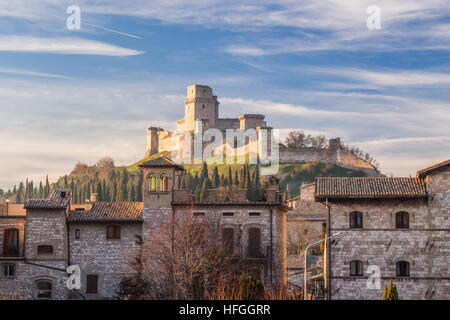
pixel 215 178
pixel 204 191
pixel 99 192
pixel 230 176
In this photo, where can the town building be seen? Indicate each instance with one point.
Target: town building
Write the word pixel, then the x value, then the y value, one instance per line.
pixel 397 226
pixel 37 247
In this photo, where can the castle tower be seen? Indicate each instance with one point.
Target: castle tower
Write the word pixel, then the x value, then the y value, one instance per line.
pixel 200 104
pixel 152 141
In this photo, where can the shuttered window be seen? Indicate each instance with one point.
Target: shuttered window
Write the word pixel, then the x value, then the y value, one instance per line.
pixel 356 219
pixel 11 243
pixel 92 284
pixel 402 269
pixel 44 289
pixel 402 220
pixel 113 232
pixel 356 268
pixel 228 239
pixel 254 243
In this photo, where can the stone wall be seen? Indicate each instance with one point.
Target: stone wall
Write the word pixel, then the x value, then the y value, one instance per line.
pixel 107 258
pixel 424 245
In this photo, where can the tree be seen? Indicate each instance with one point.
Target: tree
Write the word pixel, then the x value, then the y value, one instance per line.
pixel 105 165
pixel 80 168
pixel 390 293
pixel 296 139
pixel 185 263
pixel 204 191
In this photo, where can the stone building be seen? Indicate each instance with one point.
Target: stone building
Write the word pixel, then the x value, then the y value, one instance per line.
pixel 36 248
pixel 399 226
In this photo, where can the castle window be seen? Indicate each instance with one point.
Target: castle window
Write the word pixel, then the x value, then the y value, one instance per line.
pixel 356 268
pixel 254 243
pixel 91 284
pixel 228 239
pixel 356 219
pixel 113 232
pixel 402 269
pixel 45 249
pixel 164 183
pixel 77 234
pixel 8 270
pixel 44 289
pixel 254 214
pixel 152 183
pixel 402 220
pixel 203 106
pixel 11 243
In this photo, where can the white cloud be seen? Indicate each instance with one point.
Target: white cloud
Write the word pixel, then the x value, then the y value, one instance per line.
pixel 33 73
pixel 62 46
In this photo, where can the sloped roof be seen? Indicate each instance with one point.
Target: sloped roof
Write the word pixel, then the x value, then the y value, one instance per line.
pixel 424 172
pixel 369 187
pixel 160 162
pixel 109 212
pixel 58 199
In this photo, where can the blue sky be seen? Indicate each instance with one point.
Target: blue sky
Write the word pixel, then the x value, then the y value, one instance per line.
pixel 70 95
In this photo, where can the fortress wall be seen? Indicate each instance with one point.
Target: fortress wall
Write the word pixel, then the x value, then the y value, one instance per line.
pixel 227 123
pixel 307 155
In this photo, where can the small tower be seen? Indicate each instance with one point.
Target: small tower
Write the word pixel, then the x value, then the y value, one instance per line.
pixel 160 178
pixel 201 105
pixel 152 141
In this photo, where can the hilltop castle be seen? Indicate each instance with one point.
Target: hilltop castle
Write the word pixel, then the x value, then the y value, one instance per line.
pixel 202 113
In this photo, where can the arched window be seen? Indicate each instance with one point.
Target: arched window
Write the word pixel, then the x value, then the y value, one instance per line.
pixel 152 183
pixel 356 219
pixel 402 269
pixel 402 220
pixel 11 243
pixel 164 183
pixel 356 268
pixel 43 289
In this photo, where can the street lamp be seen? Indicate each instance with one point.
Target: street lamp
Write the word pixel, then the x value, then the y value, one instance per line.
pixel 305 289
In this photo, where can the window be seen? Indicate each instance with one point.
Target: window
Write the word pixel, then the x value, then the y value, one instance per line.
pixel 254 243
pixel 152 183
pixel 254 214
pixel 45 249
pixel 199 214
pixel 164 183
pixel 356 268
pixel 402 269
pixel 92 284
pixel 356 219
pixel 77 233
pixel 228 239
pixel 8 270
pixel 228 214
pixel 44 289
pixel 11 243
pixel 113 232
pixel 402 220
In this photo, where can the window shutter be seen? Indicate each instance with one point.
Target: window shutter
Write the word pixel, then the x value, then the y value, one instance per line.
pixel 228 239
pixel 254 242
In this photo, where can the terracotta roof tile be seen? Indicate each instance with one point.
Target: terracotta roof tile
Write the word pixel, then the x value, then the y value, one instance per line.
pixel 58 199
pixel 369 187
pixel 108 212
pixel 160 162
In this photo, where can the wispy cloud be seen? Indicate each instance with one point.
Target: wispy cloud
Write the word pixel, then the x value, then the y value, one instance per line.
pixel 33 73
pixel 63 46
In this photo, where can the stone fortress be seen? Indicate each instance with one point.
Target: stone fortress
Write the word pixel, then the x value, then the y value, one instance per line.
pixel 202 108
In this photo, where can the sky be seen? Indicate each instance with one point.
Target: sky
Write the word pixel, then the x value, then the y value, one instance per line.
pixel 69 95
